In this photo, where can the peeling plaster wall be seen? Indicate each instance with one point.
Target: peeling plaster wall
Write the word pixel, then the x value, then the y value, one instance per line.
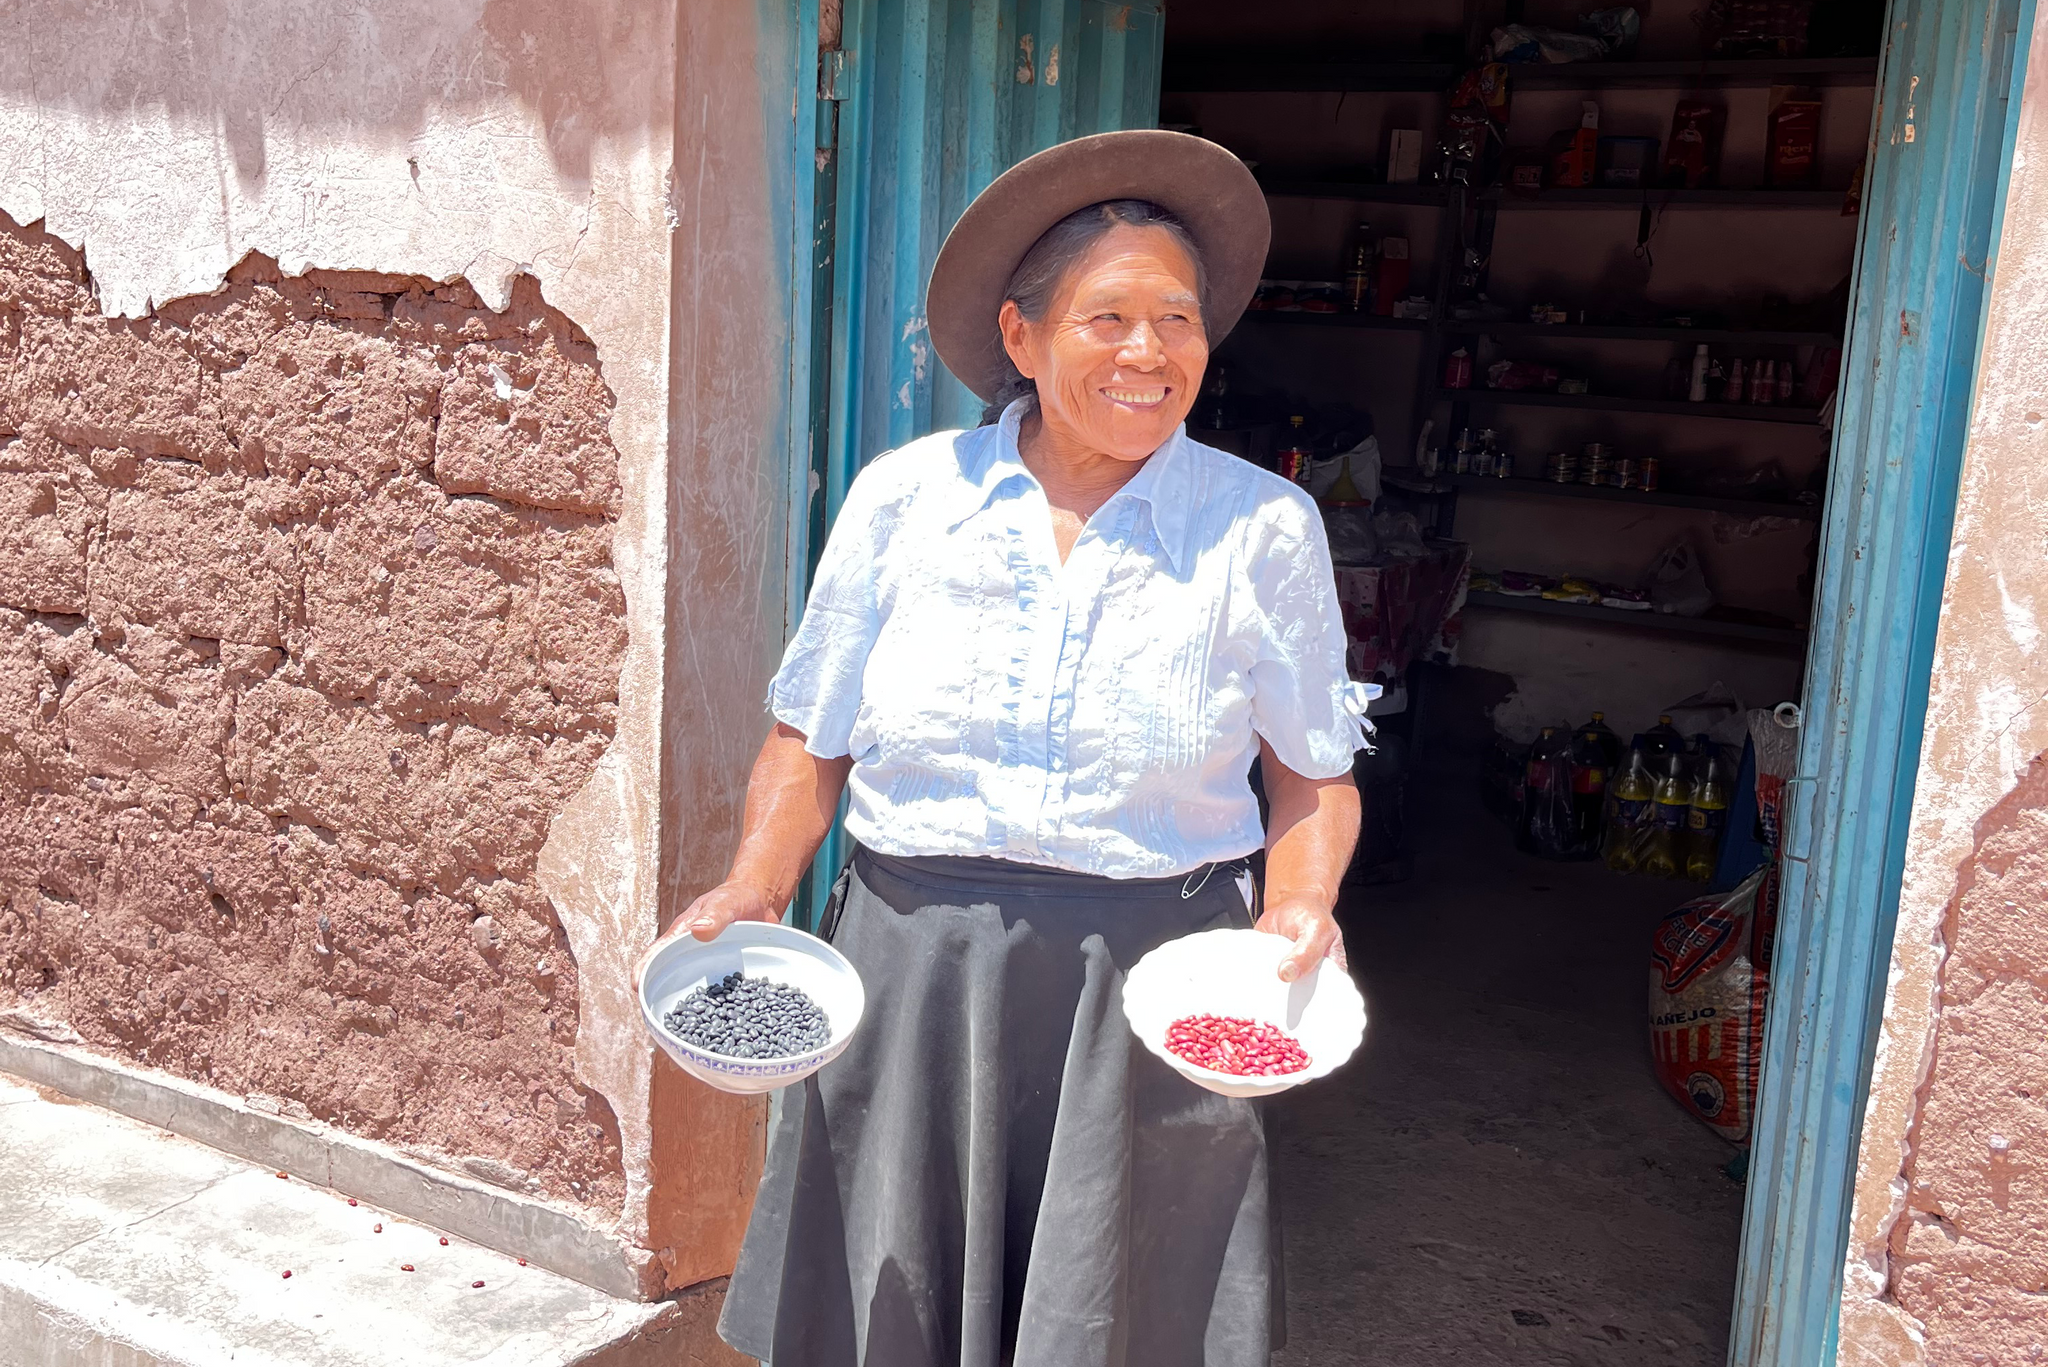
pixel 484 141
pixel 1946 1241
pixel 307 626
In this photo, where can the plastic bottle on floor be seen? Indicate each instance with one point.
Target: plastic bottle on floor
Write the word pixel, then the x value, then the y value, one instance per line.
pixel 1628 815
pixel 1707 815
pixel 1590 771
pixel 1602 734
pixel 1661 740
pixel 1673 799
pixel 1546 797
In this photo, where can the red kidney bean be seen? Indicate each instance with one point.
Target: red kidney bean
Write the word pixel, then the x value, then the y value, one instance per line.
pixel 1231 1044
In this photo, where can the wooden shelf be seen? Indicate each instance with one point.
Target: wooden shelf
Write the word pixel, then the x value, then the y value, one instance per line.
pixel 1543 488
pixel 1750 72
pixel 1370 321
pixel 1651 622
pixel 1633 200
pixel 1310 186
pixel 1594 332
pixel 1362 192
pixel 1615 403
pixel 1207 71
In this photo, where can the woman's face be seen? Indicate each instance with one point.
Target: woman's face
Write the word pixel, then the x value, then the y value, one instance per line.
pixel 1119 355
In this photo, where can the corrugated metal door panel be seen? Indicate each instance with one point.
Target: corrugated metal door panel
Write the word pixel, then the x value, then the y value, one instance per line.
pixel 938 98
pixel 1941 140
pixel 944 95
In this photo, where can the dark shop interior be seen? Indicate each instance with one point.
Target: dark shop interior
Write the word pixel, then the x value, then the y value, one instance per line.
pixel 1551 329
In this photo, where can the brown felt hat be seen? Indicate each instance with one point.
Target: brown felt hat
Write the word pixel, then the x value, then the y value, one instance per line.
pixel 1204 186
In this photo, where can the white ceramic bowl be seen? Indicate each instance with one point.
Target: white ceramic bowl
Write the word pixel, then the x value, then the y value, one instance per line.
pixel 760 949
pixel 1237 973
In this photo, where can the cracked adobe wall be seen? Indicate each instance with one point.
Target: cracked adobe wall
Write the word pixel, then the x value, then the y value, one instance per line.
pixel 1970 1257
pixel 1948 1237
pixel 308 627
pixel 644 183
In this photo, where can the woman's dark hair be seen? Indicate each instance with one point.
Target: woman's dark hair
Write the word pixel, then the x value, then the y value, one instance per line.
pixel 1057 249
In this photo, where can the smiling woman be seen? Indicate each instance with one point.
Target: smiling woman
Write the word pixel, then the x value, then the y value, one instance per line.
pixel 1136 254
pixel 1040 658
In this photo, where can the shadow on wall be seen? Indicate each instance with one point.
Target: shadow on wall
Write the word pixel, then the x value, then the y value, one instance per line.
pixel 380 65
pixel 308 627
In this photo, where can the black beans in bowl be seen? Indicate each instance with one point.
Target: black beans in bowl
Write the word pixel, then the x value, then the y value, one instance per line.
pixel 752 1018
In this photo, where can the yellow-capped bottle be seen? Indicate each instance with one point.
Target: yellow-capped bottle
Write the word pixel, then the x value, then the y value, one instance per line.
pixel 1629 799
pixel 1707 816
pixel 1669 805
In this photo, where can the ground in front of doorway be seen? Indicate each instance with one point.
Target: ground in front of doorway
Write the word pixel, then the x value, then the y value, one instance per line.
pixel 1497 1179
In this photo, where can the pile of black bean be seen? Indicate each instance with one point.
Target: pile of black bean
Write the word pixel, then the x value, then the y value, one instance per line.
pixel 744 1017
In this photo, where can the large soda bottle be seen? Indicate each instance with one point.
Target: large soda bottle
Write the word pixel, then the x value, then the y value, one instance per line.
pixel 1601 734
pixel 1546 797
pixel 1660 741
pixel 1669 805
pixel 1707 816
pixel 1590 768
pixel 1628 815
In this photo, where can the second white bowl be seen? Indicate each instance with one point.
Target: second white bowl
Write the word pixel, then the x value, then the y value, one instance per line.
pixel 1237 973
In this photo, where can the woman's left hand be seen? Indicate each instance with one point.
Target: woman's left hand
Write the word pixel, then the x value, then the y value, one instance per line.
pixel 1314 932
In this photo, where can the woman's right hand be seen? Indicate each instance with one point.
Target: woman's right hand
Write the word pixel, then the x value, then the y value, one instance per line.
pixel 704 918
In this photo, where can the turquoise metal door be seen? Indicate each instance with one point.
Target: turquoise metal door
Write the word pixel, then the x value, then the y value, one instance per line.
pixel 1942 141
pixel 924 103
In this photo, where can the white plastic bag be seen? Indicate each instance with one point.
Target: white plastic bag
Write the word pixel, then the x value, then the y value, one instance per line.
pixel 1678 582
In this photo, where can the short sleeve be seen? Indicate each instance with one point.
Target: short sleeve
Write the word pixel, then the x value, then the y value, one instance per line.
pixel 1303 700
pixel 817 690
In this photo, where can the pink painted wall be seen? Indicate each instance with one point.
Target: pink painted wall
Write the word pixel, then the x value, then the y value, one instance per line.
pixel 308 626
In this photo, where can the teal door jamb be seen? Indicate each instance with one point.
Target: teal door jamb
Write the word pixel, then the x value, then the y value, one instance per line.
pixel 935 98
pixel 1942 137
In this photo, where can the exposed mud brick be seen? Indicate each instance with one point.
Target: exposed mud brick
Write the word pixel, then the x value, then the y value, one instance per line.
pixel 116 383
pixel 528 424
pixel 45 523
pixel 285 713
pixel 424 805
pixel 1969 1261
pixel 40 274
pixel 330 394
pixel 465 609
pixel 154 710
pixel 183 550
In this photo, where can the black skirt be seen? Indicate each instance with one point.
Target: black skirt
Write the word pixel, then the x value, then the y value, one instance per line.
pixel 996 1173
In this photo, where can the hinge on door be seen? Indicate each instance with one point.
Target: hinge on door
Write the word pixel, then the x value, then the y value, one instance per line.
pixel 832 81
pixel 1797 815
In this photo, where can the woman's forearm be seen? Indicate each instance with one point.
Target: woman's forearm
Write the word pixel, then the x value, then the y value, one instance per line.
pixel 792 801
pixel 1311 827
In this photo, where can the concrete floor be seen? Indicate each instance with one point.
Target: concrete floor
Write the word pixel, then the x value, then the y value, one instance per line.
pixel 1497 1178
pixel 124 1244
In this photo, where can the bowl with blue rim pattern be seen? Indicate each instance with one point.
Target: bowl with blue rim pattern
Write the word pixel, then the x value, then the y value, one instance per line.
pixel 758 949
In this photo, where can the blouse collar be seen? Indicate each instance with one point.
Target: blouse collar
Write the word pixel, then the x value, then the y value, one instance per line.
pixel 1165 485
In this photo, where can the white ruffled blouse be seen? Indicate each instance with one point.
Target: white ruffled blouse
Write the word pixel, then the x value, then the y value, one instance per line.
pixel 1099 716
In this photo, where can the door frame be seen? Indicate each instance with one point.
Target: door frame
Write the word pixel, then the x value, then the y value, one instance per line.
pixel 1942 132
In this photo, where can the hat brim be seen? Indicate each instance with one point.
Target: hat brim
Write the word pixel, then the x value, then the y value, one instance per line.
pixel 1203 185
